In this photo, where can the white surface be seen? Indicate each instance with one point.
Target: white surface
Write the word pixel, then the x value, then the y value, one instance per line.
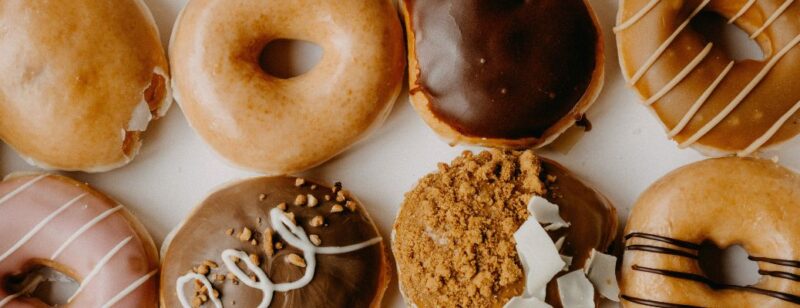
pixel 625 152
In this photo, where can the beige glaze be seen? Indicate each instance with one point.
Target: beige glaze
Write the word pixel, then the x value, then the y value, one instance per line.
pixel 74 73
pixel 729 201
pixel 49 220
pixel 716 105
pixel 279 126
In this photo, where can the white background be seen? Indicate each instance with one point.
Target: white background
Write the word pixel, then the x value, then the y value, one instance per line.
pixel 625 152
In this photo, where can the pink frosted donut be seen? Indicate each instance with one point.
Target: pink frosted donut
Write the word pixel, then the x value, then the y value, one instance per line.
pixel 53 221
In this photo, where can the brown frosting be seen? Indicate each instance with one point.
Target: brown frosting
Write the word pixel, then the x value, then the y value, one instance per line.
pixel 355 279
pixel 503 69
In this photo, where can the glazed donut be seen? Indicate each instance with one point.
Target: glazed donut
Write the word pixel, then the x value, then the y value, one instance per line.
pixel 81 82
pixel 704 98
pixel 276 242
pixel 452 239
pixel 502 74
pixel 55 222
pixel 730 201
pixel 279 126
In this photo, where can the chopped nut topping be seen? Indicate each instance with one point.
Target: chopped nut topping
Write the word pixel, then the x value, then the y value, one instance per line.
pixel 312 201
pixel 316 221
pixel 351 205
pixel 291 217
pixel 210 264
pixel 300 200
pixel 314 187
pixel 327 197
pixel 278 245
pixel 262 197
pixel 245 235
pixel 254 242
pixel 315 239
pixel 229 232
pixel 336 187
pixel 202 270
pixel 214 293
pixel 296 260
pixel 233 278
pixel 340 197
pixel 282 206
pixel 336 208
pixel 198 284
pixel 299 182
pixel 267 245
pixel 254 258
pixel 219 278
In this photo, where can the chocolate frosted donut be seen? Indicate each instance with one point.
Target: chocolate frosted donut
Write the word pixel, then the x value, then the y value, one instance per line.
pixel 332 257
pixel 503 73
pixel 453 237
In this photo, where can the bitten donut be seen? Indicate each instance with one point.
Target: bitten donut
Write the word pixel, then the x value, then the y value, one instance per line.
pixel 55 222
pixel 730 201
pixel 511 74
pixel 81 81
pixel 276 242
pixel 466 236
pixel 704 98
pixel 279 126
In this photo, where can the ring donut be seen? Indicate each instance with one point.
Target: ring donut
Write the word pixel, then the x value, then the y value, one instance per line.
pixel 730 201
pixel 55 222
pixel 299 244
pixel 82 80
pixel 704 98
pixel 279 126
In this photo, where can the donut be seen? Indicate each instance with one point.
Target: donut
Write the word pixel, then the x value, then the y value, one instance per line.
pixel 726 201
pixel 276 242
pixel 82 80
pixel 51 221
pixel 454 238
pixel 510 74
pixel 704 98
pixel 280 126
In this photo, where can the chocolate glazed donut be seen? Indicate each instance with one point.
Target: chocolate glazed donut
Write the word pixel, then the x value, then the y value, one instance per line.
pixel 503 73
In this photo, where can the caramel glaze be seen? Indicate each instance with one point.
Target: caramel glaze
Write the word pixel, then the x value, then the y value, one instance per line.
pixel 592 217
pixel 506 69
pixel 355 279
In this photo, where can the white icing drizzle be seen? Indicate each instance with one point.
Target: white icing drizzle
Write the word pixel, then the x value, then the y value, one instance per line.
pixel 701 101
pixel 183 280
pixel 772 18
pixel 741 12
pixel 742 95
pixel 128 290
pixel 636 17
pixel 661 49
pixel 294 236
pixel 758 143
pixel 83 229
pixel 21 188
pixel 99 266
pixel 681 75
pixel 30 287
pixel 21 242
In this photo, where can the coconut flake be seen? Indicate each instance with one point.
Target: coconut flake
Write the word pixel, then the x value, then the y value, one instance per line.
pixel 540 261
pixel 601 270
pixel 575 290
pixel 140 118
pixel 529 302
pixel 567 261
pixel 546 212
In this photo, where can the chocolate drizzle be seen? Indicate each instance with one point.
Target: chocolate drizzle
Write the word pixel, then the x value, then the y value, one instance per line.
pixel 700 278
pixel 505 69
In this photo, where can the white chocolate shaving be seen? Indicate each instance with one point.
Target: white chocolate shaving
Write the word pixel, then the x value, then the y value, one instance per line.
pixel 546 213
pixel 575 290
pixel 601 271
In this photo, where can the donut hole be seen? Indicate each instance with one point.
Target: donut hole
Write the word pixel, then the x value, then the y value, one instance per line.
pixel 732 39
pixel 285 58
pixel 46 284
pixel 729 266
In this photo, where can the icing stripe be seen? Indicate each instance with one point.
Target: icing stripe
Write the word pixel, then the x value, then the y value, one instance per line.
pixel 21 188
pixel 742 95
pixel 758 143
pixel 127 291
pixel 700 101
pixel 638 16
pixel 27 237
pixel 661 49
pixel 741 12
pixel 99 266
pixel 681 76
pixel 83 229
pixel 772 18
